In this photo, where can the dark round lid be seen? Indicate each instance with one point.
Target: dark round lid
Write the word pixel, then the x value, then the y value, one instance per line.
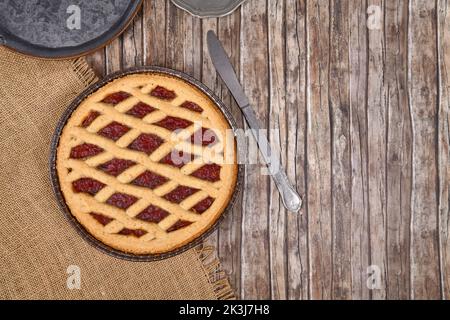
pixel 62 28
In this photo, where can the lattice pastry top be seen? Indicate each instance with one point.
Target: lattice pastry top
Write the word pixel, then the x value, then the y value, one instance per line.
pixel 147 163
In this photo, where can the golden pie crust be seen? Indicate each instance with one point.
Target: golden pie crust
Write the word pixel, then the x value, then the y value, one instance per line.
pixel 115 222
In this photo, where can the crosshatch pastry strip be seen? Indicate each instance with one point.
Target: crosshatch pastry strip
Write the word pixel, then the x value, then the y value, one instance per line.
pixel 174 174
pixel 115 167
pixel 141 193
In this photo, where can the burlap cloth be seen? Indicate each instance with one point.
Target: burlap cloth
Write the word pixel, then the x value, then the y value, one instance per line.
pixel 37 244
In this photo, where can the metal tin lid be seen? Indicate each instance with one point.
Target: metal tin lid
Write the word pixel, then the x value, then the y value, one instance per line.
pixel 49 28
pixel 208 8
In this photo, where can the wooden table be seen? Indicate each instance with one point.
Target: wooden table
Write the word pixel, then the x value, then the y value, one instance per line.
pixel 362 118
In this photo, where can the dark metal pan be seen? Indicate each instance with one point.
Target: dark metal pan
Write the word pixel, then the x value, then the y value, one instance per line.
pixel 55 181
pixel 63 28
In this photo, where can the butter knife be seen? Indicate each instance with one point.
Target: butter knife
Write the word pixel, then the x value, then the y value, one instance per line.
pixel 221 61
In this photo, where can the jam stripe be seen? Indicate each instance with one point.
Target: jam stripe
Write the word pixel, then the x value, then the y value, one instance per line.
pixel 163 93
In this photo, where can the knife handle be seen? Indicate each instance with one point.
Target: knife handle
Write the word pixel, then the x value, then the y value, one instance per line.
pixel 291 199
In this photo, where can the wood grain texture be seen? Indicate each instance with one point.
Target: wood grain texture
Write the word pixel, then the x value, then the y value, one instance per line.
pixel 423 91
pixel 318 150
pixel 444 144
pixel 154 32
pixel 377 143
pixel 359 150
pixel 278 137
pixel 398 153
pixel 358 110
pixel 255 272
pixel 296 124
pixel 339 104
pixel 132 50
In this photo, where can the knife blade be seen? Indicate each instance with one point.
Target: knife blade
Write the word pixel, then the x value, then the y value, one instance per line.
pixel 291 199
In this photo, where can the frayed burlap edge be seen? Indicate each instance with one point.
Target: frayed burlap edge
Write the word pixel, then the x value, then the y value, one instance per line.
pixel 216 276
pixel 84 71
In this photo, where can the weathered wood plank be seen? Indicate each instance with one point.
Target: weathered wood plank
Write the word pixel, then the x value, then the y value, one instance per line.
pixel 255 279
pixel 444 143
pixel 208 72
pixel 296 224
pixel 132 54
pixel 97 62
pixel 358 135
pixel 278 139
pixel 341 165
pixel 399 151
pixel 154 32
pixel 377 141
pixel 192 46
pixel 318 150
pixel 423 90
pixel 229 242
pixel 174 38
pixel 113 52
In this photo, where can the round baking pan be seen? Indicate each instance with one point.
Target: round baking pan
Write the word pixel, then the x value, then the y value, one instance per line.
pixel 41 28
pixel 55 181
